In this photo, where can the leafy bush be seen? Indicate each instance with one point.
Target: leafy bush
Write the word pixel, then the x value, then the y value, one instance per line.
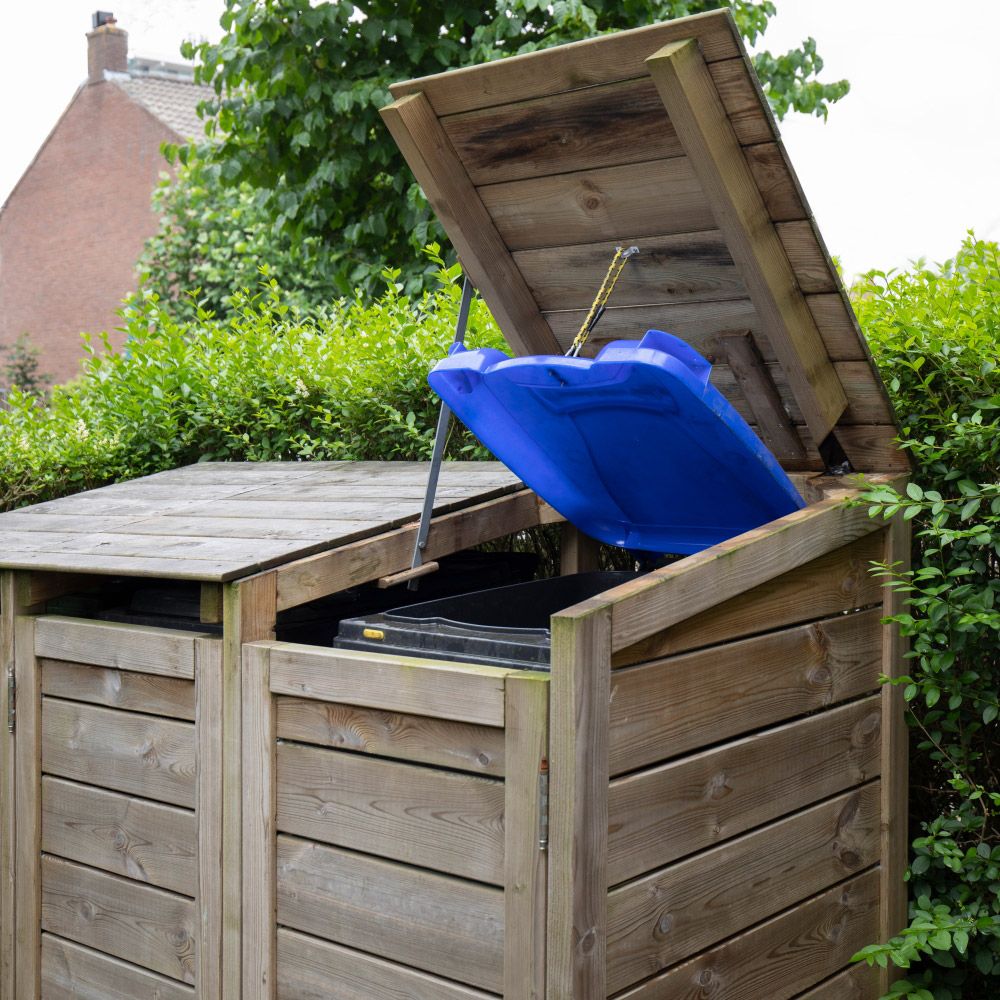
pixel 935 334
pixel 266 384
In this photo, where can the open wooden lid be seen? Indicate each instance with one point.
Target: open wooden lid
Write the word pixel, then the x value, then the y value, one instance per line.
pixel 539 165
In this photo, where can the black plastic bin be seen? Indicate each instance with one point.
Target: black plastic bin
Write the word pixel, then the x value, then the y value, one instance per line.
pixel 504 626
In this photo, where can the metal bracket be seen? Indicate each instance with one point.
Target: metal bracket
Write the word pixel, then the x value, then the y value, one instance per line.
pixel 11 695
pixel 440 438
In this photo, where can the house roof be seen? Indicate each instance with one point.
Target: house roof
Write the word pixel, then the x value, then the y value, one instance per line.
pixel 170 98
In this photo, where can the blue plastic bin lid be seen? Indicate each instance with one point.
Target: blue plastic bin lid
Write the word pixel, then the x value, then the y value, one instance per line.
pixel 634 447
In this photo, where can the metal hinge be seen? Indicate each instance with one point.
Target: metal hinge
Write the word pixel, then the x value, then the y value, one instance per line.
pixel 543 805
pixel 11 695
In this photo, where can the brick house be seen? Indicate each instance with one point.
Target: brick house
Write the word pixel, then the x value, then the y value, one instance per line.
pixel 74 225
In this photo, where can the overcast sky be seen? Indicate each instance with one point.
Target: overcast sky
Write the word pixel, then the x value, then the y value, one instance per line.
pixel 907 162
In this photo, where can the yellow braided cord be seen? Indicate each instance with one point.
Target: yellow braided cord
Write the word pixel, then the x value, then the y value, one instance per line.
pixel 618 262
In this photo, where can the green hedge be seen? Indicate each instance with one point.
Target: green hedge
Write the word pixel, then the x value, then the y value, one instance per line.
pixel 266 384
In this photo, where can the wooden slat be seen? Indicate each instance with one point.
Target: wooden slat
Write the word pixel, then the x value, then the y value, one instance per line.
pixel 456 691
pixel 578 553
pixel 126 689
pixel 590 206
pixel 440 173
pixel 781 957
pixel 807 257
pixel 71 971
pixel 450 822
pixel 329 572
pixel 669 811
pixel 588 63
pixel 667 707
pixel 250 610
pixel 676 268
pixel 663 918
pixel 693 103
pixel 259 831
pixel 311 969
pixel 893 912
pixel 579 813
pixel 145 841
pixel 831 584
pixel 121 751
pixel 109 644
pixel 210 805
pixel 685 588
pixel 153 928
pixel 28 809
pixel 417 738
pixel 438 924
pixel 525 868
pixel 776 182
pixel 856 983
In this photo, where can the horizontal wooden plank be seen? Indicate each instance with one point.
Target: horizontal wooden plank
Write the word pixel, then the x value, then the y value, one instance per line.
pixel 431 922
pixel 449 822
pixel 121 751
pixel 674 268
pixel 456 691
pixel 670 706
pixel 359 562
pixel 776 183
pixel 591 62
pixel 589 206
pixel 694 584
pixel 153 928
pixel 153 693
pixel 780 958
pixel 662 814
pixel 145 841
pixel 141 648
pixel 311 969
pixel 663 918
pixel 859 982
pixel 830 585
pixel 417 738
pixel 71 971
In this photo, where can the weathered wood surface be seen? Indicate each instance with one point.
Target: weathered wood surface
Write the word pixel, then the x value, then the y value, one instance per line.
pixel 71 970
pixel 579 812
pixel 829 585
pixel 664 708
pixel 140 648
pixel 443 820
pixel 218 521
pixel 312 969
pixel 442 925
pixel 125 689
pixel 665 812
pixel 782 957
pixel 153 928
pixel 525 859
pixel 436 688
pixel 858 982
pixel 662 918
pixel 122 751
pixel 142 840
pixel 417 738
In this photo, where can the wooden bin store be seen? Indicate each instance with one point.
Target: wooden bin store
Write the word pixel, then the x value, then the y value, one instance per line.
pixel 704 798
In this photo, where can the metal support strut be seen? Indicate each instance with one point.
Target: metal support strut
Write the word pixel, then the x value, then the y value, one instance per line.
pixel 440 438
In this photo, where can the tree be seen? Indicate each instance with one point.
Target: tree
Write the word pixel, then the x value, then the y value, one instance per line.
pixel 298 86
pixel 22 368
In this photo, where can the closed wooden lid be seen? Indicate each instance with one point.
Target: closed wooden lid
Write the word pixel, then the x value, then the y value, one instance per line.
pixel 539 165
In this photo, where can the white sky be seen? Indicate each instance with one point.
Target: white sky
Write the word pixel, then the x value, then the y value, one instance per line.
pixel 908 161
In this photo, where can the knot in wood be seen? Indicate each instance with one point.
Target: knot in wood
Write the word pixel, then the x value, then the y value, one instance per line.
pixel 718 786
pixel 665 924
pixel 588 941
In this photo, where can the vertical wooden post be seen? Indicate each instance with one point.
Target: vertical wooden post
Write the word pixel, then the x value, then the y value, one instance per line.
pixel 259 831
pixel 895 758
pixel 208 725
pixel 526 742
pixel 28 809
pixel 11 605
pixel 578 817
pixel 250 611
pixel 580 553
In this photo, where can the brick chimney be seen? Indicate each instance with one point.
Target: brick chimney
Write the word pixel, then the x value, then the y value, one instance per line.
pixel 107 47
